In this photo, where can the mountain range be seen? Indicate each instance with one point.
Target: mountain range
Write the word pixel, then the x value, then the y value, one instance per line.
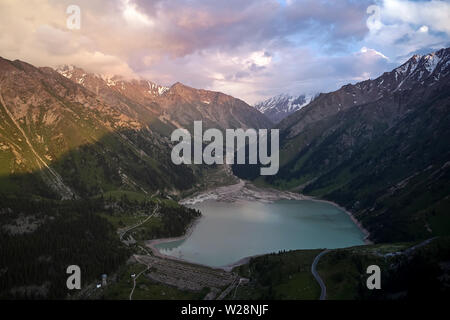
pixel 379 148
pixel 68 133
pixel 176 106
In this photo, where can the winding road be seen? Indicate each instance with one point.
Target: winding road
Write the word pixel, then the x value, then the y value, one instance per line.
pixel 137 276
pixel 137 259
pixel 323 288
pixel 323 294
pixel 139 224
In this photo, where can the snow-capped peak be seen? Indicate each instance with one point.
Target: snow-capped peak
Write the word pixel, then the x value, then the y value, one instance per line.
pixel 116 82
pixel 431 61
pixel 279 107
pixel 418 69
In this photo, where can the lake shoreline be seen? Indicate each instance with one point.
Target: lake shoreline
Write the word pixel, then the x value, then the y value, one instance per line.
pixel 355 221
pixel 229 267
pixel 242 191
pixel 152 243
pixel 247 191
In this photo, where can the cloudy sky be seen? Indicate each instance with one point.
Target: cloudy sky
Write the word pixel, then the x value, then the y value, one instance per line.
pixel 251 49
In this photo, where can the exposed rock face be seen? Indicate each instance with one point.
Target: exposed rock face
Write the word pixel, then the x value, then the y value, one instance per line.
pixel 82 134
pixel 184 104
pixel 178 105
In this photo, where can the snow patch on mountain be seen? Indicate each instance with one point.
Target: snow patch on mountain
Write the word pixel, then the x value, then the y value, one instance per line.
pixel 430 67
pixel 431 61
pixel 66 70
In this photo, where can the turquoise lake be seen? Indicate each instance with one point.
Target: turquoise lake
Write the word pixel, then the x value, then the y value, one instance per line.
pixel 228 232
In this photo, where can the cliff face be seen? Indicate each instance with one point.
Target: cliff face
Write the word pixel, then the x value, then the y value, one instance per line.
pixel 177 106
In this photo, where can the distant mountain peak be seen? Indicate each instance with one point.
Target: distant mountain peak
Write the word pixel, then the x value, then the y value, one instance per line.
pixel 179 87
pixel 421 67
pixel 280 106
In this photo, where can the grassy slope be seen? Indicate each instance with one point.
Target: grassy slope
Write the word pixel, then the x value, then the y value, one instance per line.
pixel 284 275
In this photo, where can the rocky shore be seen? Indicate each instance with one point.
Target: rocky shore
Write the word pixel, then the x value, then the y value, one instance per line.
pixel 242 191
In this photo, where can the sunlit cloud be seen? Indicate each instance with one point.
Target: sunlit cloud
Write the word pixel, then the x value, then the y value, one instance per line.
pixel 401 27
pixel 251 49
pixel 133 16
